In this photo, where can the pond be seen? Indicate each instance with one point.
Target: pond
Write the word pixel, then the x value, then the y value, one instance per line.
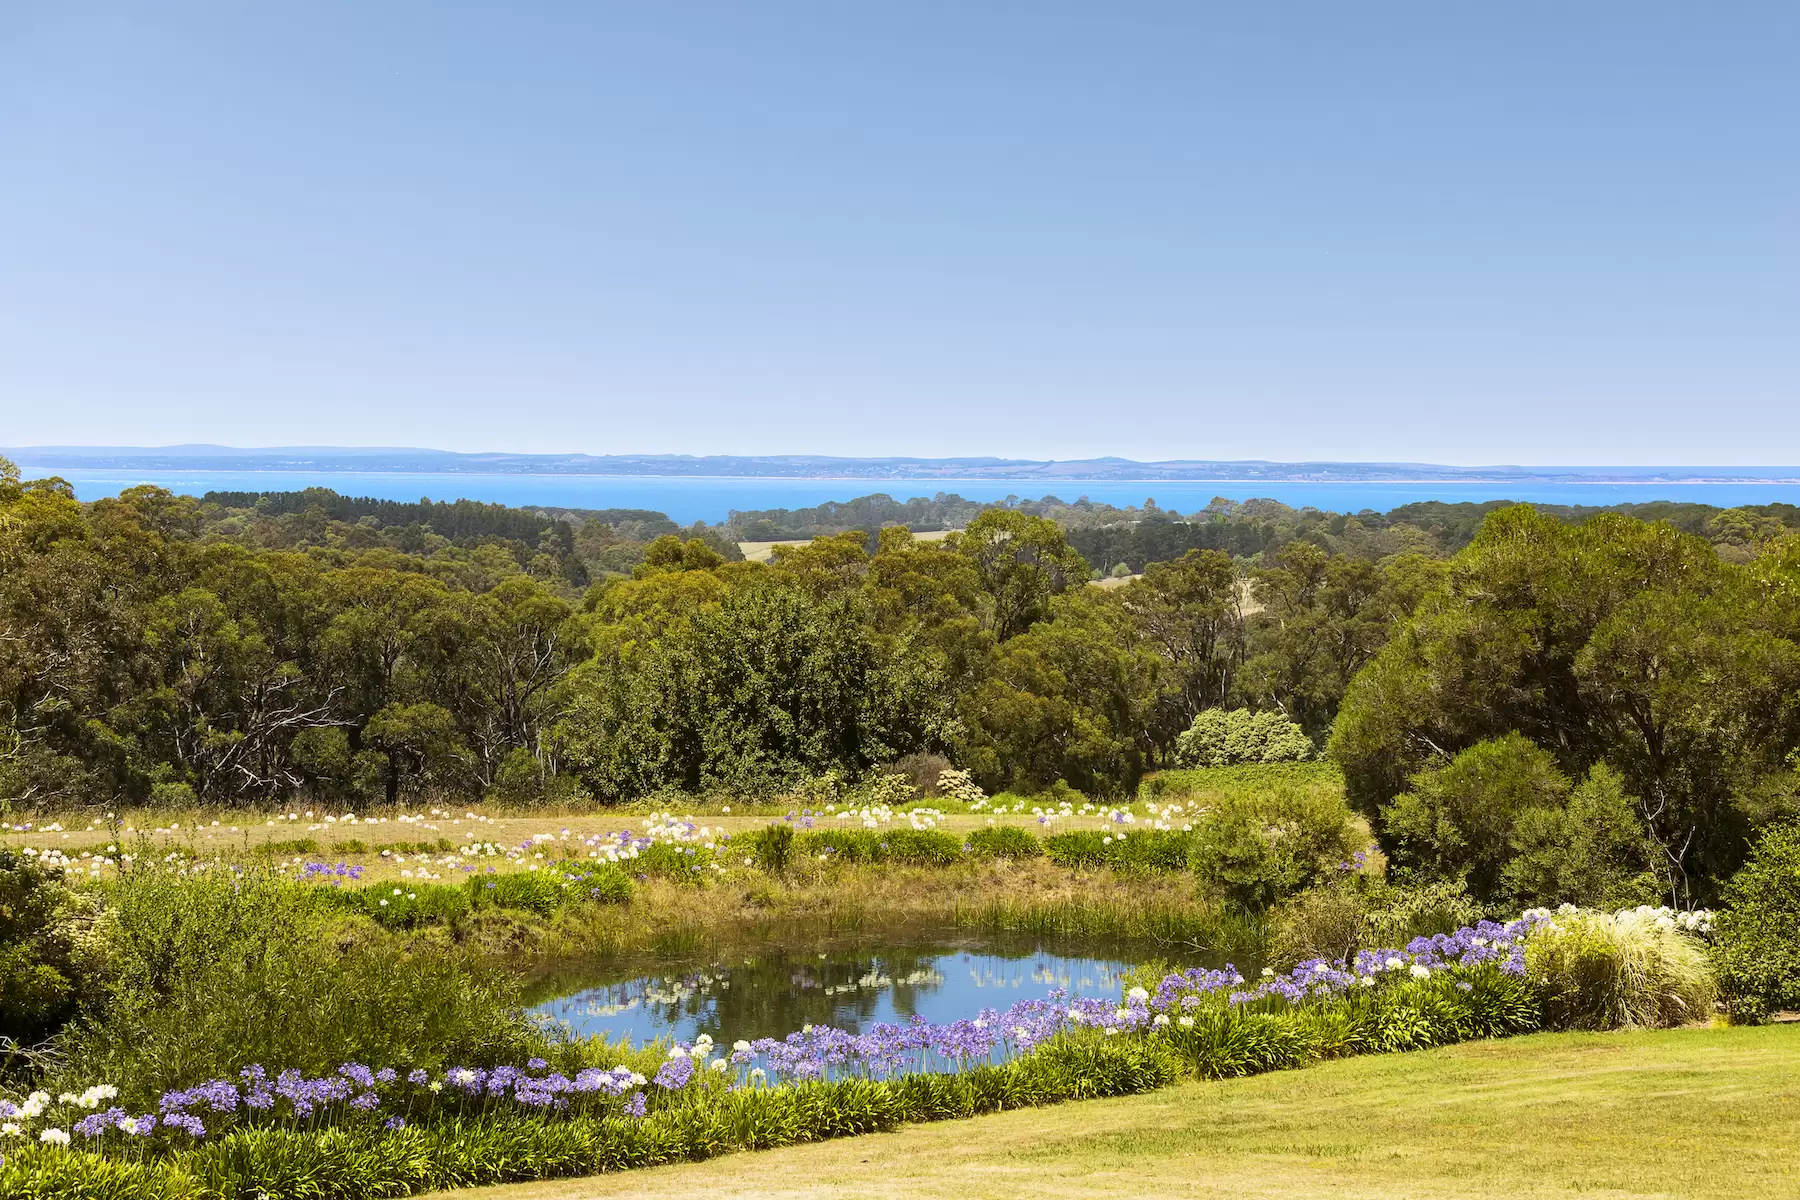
pixel 777 990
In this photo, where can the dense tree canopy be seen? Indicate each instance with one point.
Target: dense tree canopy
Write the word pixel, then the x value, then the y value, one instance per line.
pixel 1612 642
pixel 1572 704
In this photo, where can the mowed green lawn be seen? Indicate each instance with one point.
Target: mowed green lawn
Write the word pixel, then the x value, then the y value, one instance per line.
pixel 1700 1112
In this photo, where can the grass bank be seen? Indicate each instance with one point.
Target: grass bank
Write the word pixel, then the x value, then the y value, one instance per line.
pixel 1166 914
pixel 1697 1113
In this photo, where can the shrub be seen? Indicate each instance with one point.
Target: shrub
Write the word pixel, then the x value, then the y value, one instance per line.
pixel 1336 919
pixel 1004 841
pixel 1153 849
pixel 920 847
pixel 1225 737
pixel 959 786
pixel 1758 948
pixel 1398 914
pixel 842 845
pixel 771 847
pixel 41 983
pixel 206 974
pixel 1079 848
pixel 1140 849
pixel 1322 922
pixel 1456 820
pixel 400 907
pixel 290 846
pixel 1592 850
pixel 540 892
pixel 1595 970
pixel 921 770
pixel 1502 816
pixel 671 860
pixel 1262 846
pixel 605 883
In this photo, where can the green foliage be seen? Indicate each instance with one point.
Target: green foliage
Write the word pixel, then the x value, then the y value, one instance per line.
pixel 1003 841
pixel 42 979
pixel 1071 699
pixel 1261 846
pixel 1211 785
pixel 1401 913
pixel 1610 641
pixel 1503 817
pixel 540 892
pixel 1595 970
pixel 1140 849
pixel 1456 821
pixel 1590 851
pixel 1336 919
pixel 196 966
pixel 408 907
pixel 771 847
pixel 1224 738
pixel 1757 953
pixel 922 847
pixel 766 688
pixel 1323 616
pixel 917 847
pixel 1022 561
pixel 671 860
pixel 286 847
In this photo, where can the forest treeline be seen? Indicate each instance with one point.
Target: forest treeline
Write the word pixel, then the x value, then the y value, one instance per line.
pixel 1560 675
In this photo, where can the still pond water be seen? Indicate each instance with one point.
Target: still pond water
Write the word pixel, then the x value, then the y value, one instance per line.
pixel 776 991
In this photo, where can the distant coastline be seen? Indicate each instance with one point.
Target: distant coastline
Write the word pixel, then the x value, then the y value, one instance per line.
pixel 825 468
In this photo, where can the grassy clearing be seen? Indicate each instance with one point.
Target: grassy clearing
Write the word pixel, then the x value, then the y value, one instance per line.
pixel 1684 1113
pixel 429 835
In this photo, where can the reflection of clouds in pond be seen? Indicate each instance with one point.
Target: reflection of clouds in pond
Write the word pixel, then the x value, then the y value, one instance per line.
pixel 678 994
pixel 777 993
pixel 1076 976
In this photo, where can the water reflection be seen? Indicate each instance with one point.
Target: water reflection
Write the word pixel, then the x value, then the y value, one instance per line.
pixel 773 992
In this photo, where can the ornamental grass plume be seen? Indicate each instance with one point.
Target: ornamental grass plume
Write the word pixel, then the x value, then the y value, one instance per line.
pixel 1640 967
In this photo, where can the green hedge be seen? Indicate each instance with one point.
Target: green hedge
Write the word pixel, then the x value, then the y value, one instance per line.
pixel 1145 849
pixel 1003 841
pixel 409 905
pixel 917 847
pixel 1757 950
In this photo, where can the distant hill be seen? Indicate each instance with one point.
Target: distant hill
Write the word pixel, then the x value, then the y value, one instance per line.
pixel 816 466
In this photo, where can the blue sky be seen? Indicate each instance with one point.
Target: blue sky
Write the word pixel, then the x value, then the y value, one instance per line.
pixel 1452 232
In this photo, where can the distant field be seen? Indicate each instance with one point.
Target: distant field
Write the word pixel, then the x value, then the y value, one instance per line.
pixel 414 836
pixel 761 551
pixel 1694 1113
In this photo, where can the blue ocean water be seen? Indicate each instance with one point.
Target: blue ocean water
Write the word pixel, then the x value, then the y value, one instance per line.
pixel 711 499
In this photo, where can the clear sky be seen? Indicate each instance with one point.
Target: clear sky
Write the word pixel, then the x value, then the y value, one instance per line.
pixel 1539 232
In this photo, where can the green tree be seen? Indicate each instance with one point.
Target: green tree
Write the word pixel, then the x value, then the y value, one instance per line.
pixel 1021 561
pixel 1190 614
pixel 1613 641
pixel 1068 700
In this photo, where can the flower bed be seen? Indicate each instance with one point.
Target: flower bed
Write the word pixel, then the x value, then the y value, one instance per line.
pixel 385 1130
